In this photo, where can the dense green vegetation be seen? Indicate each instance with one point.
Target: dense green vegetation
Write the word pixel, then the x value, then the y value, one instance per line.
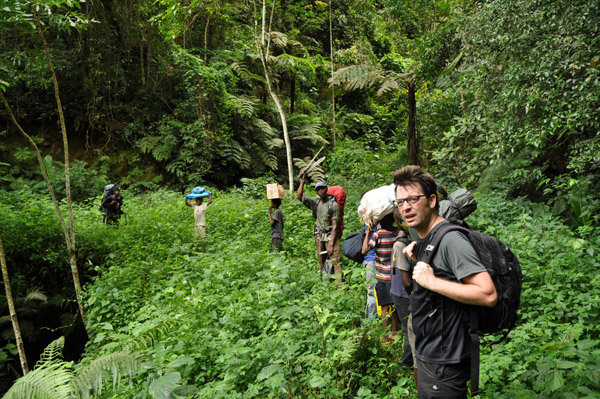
pixel 500 96
pixel 223 317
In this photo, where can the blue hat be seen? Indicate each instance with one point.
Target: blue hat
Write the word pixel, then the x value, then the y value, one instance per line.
pixel 320 184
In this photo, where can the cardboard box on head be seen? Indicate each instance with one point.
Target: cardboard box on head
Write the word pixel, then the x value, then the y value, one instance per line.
pixel 274 191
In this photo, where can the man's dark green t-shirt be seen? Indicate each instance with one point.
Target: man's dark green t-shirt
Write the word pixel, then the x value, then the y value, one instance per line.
pixel 323 220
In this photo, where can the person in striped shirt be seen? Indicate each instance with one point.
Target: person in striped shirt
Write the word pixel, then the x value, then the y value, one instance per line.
pixel 383 242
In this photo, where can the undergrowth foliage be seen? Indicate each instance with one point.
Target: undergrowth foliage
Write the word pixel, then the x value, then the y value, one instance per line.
pixel 222 317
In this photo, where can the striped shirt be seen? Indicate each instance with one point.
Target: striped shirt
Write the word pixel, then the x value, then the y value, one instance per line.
pixel 383 242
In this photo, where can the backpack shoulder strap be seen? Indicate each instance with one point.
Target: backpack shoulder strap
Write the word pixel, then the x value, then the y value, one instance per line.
pixel 434 242
pixel 331 200
pixel 314 210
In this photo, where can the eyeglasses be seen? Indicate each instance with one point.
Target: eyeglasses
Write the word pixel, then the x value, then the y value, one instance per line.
pixel 399 202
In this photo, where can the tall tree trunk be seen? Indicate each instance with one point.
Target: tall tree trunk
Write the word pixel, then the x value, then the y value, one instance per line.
pixel 412 146
pixel 332 70
pixel 12 311
pixel 206 38
pixel 262 48
pixel 292 93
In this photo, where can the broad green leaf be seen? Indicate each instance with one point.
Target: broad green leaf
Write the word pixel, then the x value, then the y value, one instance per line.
pixel 185 390
pixel 163 387
pixel 316 381
pixel 266 372
pixel 181 361
pixel 555 380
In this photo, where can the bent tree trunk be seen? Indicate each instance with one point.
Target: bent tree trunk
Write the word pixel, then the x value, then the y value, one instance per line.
pixel 13 312
pixel 70 230
pixel 263 52
pixel 67 233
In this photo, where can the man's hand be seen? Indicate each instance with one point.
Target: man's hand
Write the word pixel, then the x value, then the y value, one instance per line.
pixel 330 248
pixel 423 274
pixel 409 250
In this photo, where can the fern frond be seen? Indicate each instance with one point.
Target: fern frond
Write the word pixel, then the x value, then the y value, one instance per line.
pixel 234 152
pixel 36 294
pixel 52 353
pixel 305 127
pixel 265 128
pixel 147 143
pixel 246 160
pixel 270 159
pixel 317 174
pixel 164 148
pixel 247 76
pixel 151 336
pixel 358 76
pixel 90 378
pixel 388 87
pixel 243 106
pixel 177 166
pixel 48 382
pixel 275 143
pixel 289 61
pixel 297 47
pixel 279 39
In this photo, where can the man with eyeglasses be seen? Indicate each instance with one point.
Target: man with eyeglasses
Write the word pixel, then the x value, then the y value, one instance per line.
pixel 456 277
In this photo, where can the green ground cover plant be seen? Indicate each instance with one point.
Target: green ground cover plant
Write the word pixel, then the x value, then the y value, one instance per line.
pixel 223 317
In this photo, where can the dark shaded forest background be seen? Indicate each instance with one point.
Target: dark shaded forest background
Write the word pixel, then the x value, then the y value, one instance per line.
pixel 172 93
pixel 502 97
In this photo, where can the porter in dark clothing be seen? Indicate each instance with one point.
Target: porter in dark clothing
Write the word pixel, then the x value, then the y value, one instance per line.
pixel 113 204
pixel 276 221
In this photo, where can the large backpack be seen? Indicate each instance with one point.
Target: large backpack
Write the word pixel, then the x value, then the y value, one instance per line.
pixel 505 271
pixel 458 205
pixel 108 190
pixel 352 246
pixel 337 194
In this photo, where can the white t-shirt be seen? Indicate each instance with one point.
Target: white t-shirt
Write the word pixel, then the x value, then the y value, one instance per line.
pixel 199 216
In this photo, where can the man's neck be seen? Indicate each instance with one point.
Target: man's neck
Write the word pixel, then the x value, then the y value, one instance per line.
pixel 434 221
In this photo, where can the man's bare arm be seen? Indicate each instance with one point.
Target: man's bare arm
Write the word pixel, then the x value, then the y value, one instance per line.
pixel 476 289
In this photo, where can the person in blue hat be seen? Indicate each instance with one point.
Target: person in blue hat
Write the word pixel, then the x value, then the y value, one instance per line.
pixel 326 212
pixel 199 214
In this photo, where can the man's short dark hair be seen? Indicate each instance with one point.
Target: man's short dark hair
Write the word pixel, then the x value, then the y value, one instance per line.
pixel 276 201
pixel 413 174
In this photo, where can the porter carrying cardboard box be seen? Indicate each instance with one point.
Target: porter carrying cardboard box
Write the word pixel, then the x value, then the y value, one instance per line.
pixel 275 191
